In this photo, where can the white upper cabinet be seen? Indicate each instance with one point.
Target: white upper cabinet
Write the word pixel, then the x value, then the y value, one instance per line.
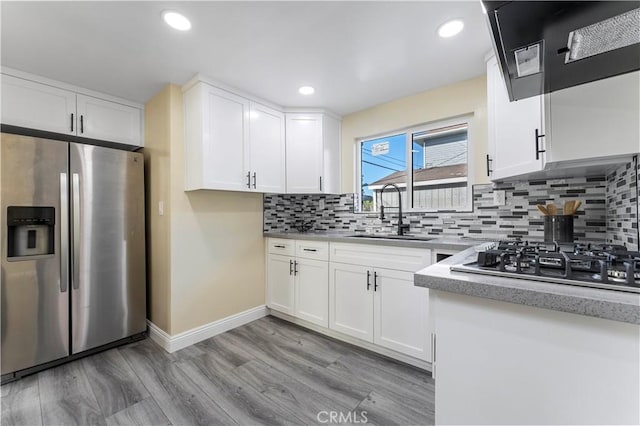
pixel 313 153
pixel 515 130
pixel 594 120
pixel 216 139
pixel 593 124
pixel 43 106
pixel 267 149
pixel 231 142
pixel 38 106
pixel 109 121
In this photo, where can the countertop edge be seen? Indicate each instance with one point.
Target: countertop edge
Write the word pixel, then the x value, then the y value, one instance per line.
pixel 449 244
pixel 605 304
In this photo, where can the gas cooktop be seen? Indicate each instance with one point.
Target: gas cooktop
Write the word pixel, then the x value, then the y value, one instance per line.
pixel 603 266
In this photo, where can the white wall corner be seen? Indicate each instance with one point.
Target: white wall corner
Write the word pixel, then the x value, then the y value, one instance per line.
pixel 187 338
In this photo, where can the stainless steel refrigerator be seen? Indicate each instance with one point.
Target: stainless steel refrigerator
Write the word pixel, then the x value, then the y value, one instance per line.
pixel 73 249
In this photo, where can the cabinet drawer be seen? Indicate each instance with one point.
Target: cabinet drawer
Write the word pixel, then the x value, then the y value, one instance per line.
pixel 281 246
pixel 318 250
pixel 398 258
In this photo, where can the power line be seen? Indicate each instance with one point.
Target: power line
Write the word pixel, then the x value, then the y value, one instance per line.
pixel 389 158
pixel 384 167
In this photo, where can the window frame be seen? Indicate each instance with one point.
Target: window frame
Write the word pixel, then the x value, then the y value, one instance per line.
pixel 409 131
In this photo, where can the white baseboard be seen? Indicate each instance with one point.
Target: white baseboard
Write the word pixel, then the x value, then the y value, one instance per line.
pixel 423 365
pixel 187 338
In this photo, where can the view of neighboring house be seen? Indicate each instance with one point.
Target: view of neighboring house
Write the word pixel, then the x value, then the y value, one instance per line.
pixel 439 175
pixel 435 188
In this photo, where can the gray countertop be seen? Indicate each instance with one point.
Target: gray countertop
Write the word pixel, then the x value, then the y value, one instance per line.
pixel 607 304
pixel 449 244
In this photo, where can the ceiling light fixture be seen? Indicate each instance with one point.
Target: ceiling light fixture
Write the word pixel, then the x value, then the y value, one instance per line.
pixel 176 20
pixel 306 90
pixel 450 28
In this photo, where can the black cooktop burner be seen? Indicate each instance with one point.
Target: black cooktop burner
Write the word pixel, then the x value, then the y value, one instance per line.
pixel 590 263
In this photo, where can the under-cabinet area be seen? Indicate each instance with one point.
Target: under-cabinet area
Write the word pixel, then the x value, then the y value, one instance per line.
pixel 361 293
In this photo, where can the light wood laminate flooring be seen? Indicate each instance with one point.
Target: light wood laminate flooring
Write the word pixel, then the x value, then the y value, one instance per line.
pixel 266 372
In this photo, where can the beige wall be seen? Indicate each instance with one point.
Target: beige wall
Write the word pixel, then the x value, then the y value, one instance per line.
pixel 216 258
pixel 466 97
pixel 156 153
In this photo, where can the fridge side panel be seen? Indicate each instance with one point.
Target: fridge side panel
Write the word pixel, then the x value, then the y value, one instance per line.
pixel 108 238
pixel 33 217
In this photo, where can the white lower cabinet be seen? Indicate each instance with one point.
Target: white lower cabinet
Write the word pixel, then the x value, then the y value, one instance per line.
pixel 357 290
pixel 351 300
pixel 400 314
pixel 381 306
pixel 297 279
pixel 280 283
pixel 311 291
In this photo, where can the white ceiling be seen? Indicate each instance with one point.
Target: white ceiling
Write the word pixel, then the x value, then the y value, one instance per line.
pixel 356 54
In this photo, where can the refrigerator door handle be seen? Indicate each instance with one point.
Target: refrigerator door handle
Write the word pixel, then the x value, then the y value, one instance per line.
pixel 75 251
pixel 64 233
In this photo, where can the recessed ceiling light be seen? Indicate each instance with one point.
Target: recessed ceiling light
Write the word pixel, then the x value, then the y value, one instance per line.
pixel 450 28
pixel 176 20
pixel 306 90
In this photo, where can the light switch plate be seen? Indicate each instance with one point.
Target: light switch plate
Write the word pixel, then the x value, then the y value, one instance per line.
pixel 161 208
pixel 499 198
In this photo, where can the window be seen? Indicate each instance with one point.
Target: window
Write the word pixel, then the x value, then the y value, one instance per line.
pixel 431 160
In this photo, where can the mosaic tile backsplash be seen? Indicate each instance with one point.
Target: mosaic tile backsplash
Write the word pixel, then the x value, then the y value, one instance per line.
pixel 609 211
pixel 623 205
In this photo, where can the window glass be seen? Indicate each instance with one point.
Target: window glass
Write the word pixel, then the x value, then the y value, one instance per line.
pixel 440 169
pixel 382 160
pixel 437 175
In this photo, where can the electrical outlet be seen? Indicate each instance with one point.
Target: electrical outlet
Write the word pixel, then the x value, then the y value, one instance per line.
pixel 321 204
pixel 161 208
pixel 499 198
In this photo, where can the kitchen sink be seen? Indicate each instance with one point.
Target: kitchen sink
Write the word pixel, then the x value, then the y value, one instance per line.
pixel 392 237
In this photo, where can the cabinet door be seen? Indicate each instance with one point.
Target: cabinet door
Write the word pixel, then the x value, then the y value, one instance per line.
pixel 280 294
pixel 512 129
pixel 226 141
pixel 312 291
pixel 400 314
pixel 304 153
pixel 267 165
pixel 604 116
pixel 109 121
pixel 38 106
pixel 350 301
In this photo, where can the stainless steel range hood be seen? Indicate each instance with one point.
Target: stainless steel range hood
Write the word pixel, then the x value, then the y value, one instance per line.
pixel 544 46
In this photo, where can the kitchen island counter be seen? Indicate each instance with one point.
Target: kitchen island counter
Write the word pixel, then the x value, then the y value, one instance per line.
pixel 607 304
pixel 517 351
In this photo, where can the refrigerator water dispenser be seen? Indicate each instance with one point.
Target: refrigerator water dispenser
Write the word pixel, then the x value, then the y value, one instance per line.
pixel 30 231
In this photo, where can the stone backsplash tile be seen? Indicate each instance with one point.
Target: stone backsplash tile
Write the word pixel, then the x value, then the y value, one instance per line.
pixel 623 205
pixel 519 218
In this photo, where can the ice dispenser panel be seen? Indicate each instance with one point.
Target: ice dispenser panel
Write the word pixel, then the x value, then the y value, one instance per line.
pixel 30 231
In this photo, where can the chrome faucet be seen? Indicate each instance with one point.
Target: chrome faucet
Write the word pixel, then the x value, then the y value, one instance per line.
pixel 402 227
